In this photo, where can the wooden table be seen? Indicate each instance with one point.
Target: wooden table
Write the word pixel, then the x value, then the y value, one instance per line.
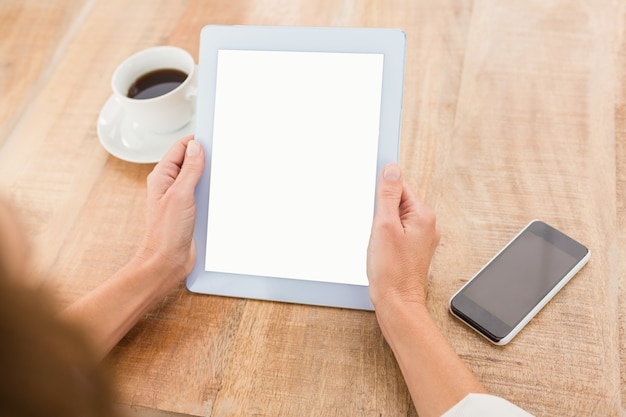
pixel 513 110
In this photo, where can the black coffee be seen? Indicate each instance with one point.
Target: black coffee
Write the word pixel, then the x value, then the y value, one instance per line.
pixel 156 83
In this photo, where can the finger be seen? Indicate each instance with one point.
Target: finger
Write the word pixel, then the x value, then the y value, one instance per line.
pixel 414 213
pixel 409 202
pixel 192 167
pixel 166 171
pixel 176 154
pixel 389 195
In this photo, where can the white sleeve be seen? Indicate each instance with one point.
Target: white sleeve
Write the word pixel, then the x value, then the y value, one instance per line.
pixel 485 405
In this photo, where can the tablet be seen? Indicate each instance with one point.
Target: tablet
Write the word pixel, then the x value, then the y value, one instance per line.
pixel 297 124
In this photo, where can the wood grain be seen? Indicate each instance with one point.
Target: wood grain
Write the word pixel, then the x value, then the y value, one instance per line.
pixel 53 158
pixel 620 181
pixel 533 118
pixel 22 75
pixel 512 111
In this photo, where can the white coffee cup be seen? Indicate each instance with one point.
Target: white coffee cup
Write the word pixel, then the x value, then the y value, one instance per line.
pixel 165 113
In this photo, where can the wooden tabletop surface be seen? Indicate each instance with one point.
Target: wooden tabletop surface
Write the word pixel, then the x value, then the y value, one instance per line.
pixel 513 110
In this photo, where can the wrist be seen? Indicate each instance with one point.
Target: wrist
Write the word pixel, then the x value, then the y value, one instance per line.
pixel 395 313
pixel 395 301
pixel 153 274
pixel 159 264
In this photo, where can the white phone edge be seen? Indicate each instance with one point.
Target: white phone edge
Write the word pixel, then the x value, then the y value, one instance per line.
pixel 541 304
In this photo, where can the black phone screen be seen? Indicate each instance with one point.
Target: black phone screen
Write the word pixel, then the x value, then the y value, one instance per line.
pixel 504 292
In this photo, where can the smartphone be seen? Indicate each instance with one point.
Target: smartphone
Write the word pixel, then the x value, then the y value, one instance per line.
pixel 515 285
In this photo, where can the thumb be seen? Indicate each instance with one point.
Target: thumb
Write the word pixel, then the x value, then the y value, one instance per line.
pixel 389 192
pixel 193 164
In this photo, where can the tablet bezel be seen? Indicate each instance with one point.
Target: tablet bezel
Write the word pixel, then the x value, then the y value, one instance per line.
pixel 389 42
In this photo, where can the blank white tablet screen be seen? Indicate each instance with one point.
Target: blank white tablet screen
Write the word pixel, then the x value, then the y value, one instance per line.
pixel 293 164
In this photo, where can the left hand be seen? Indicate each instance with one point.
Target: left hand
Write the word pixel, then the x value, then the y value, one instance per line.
pixel 171 209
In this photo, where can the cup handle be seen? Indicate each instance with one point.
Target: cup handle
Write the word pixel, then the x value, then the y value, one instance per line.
pixel 112 114
pixel 192 91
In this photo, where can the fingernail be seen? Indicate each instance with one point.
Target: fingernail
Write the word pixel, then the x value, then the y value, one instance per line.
pixel 392 172
pixel 193 148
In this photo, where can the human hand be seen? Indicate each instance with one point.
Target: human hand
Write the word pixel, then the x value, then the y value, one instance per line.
pixel 171 209
pixel 402 243
pixel 165 256
pixel 403 240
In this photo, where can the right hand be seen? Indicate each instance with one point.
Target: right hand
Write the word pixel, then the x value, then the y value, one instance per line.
pixel 402 243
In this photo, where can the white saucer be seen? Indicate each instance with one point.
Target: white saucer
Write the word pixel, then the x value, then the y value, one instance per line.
pixel 126 140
